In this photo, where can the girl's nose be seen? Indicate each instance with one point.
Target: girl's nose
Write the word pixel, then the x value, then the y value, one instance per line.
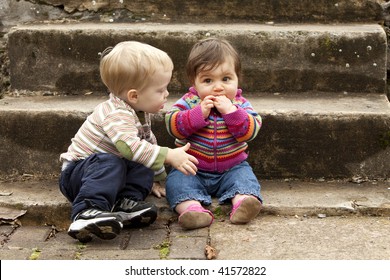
pixel 218 87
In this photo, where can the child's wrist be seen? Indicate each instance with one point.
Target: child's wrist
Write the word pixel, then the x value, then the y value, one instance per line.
pixel 168 156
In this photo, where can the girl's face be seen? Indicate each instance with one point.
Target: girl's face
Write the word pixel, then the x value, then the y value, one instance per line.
pixel 221 80
pixel 153 96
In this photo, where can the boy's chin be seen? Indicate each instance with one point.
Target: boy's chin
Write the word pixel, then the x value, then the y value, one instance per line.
pixel 156 111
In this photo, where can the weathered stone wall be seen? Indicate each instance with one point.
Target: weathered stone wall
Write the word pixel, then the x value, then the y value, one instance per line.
pixel 276 58
pixel 222 11
pixel 280 11
pixel 297 141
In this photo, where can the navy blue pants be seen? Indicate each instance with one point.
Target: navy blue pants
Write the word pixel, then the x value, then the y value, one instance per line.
pixel 102 179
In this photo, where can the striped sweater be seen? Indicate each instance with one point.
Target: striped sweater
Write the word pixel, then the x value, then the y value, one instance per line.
pixel 218 142
pixel 114 127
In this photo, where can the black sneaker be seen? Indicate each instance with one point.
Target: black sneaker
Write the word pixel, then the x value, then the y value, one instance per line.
pixel 137 213
pixel 105 225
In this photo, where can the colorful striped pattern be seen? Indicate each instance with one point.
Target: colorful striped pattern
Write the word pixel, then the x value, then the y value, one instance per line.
pixel 219 142
pixel 112 122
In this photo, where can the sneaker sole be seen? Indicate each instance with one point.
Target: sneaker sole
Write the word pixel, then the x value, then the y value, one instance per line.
pixel 140 218
pixel 101 227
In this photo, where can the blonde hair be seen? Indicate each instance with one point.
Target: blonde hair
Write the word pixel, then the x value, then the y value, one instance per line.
pixel 130 64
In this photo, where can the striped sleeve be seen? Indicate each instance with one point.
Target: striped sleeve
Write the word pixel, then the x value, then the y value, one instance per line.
pixel 121 128
pixel 182 121
pixel 244 123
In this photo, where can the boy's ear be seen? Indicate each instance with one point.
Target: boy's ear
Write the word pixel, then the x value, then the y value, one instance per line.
pixel 132 96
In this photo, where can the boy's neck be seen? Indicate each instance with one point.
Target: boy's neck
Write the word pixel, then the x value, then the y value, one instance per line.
pixel 141 116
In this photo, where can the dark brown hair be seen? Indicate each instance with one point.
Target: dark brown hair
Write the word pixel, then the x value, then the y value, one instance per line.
pixel 210 53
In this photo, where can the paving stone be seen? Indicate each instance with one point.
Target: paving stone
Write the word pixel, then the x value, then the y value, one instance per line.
pixel 144 239
pixel 177 231
pixel 188 247
pixel 55 254
pixel 151 254
pixel 29 237
pixel 15 254
pixel 5 232
pixel 288 238
pixel 62 241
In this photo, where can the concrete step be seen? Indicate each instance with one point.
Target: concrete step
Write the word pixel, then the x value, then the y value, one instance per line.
pixel 276 58
pixel 39 202
pixel 307 135
pixel 249 10
pixel 204 11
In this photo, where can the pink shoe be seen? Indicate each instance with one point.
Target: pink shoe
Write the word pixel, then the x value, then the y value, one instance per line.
pixel 245 210
pixel 195 216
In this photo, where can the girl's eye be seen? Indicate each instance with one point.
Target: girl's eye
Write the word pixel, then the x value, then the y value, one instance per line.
pixel 207 81
pixel 226 79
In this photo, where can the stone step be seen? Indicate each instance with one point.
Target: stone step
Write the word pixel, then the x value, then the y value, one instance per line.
pixel 40 202
pixel 196 11
pixel 303 135
pixel 223 11
pixel 276 58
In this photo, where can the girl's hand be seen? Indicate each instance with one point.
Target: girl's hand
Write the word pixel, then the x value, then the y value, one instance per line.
pixel 224 105
pixel 206 105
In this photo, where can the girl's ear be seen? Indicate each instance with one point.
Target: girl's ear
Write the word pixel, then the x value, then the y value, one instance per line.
pixel 132 96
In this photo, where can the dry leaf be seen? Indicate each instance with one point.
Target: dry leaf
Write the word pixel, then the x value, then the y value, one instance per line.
pixel 210 252
pixel 5 193
pixel 10 213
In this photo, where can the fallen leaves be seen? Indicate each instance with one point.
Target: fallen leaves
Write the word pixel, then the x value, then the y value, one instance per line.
pixel 210 252
pixel 9 216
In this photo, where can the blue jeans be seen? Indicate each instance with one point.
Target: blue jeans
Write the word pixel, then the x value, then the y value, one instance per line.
pixel 240 179
pixel 102 179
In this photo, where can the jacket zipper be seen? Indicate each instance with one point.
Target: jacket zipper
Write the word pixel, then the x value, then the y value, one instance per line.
pixel 215 142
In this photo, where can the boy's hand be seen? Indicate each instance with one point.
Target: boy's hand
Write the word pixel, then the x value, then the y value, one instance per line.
pixel 224 105
pixel 182 161
pixel 206 105
pixel 158 190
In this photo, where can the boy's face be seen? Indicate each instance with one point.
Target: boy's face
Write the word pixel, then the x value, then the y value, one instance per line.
pixel 153 96
pixel 222 80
